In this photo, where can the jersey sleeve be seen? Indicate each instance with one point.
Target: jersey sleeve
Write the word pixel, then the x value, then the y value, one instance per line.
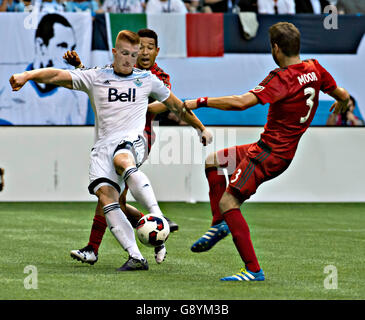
pixel 271 89
pixel 328 84
pixel 162 75
pixel 159 91
pixel 82 79
pixel 165 78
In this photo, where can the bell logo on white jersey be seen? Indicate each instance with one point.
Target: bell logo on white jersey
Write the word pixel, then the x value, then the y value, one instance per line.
pixel 113 95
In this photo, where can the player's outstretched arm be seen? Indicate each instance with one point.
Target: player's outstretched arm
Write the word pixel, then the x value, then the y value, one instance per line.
pixel 45 75
pixel 178 107
pixel 233 103
pixel 342 100
pixel 157 107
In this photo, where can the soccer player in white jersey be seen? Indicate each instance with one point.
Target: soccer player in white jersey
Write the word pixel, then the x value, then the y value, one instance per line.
pixel 119 97
pixel 146 60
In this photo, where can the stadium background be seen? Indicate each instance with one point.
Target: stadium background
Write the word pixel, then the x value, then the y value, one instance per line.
pixel 206 55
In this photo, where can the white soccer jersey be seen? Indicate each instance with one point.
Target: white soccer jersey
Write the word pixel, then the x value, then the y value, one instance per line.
pixel 119 103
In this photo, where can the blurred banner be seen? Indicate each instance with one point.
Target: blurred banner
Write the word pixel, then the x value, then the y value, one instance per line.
pixel 205 55
pixel 38 41
pixel 216 34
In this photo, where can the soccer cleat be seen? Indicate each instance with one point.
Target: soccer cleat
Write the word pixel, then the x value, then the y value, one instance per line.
pixel 86 254
pixel 134 264
pixel 160 253
pixel 173 225
pixel 211 237
pixel 246 275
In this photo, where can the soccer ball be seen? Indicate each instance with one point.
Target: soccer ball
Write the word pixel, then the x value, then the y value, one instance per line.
pixel 153 230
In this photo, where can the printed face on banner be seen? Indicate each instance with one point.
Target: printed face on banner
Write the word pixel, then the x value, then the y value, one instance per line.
pixel 44 46
pixel 50 55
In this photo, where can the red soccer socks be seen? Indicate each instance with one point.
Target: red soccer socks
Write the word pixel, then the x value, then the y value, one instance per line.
pixel 97 232
pixel 217 186
pixel 241 238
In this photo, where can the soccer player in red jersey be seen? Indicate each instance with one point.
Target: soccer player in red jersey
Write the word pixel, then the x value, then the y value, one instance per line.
pixel 146 60
pixel 292 90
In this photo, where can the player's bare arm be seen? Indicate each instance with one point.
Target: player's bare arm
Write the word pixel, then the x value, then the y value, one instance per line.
pixel 233 103
pixel 73 59
pixel 45 75
pixel 178 107
pixel 331 121
pixel 157 107
pixel 342 100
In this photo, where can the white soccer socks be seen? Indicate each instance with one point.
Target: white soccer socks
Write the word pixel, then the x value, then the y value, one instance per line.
pixel 122 230
pixel 141 189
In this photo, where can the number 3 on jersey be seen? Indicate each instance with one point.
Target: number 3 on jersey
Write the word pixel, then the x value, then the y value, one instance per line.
pixel 311 92
pixel 237 175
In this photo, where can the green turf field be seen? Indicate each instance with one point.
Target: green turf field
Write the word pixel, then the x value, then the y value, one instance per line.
pixel 294 244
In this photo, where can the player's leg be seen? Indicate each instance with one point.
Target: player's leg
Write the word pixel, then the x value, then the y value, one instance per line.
pixel 139 185
pixel 230 206
pixel 132 213
pixel 89 254
pixel 214 164
pixel 141 190
pixel 242 185
pixel 257 166
pixel 106 184
pixel 149 137
pixel 217 185
pixel 125 160
pixel 120 227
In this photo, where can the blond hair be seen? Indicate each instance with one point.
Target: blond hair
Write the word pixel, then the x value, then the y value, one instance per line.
pixel 129 36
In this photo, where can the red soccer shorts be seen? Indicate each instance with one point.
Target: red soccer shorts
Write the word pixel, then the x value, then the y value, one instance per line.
pixel 248 166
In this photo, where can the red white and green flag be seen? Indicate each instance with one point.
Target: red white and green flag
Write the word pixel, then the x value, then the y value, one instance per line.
pixel 179 35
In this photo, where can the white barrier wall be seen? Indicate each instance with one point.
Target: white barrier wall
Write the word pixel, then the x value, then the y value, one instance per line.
pixel 51 164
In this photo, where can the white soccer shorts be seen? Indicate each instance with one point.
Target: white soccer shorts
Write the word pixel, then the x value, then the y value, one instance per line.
pixel 101 168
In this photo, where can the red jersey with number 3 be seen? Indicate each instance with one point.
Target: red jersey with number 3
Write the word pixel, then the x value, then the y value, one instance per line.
pixel 293 94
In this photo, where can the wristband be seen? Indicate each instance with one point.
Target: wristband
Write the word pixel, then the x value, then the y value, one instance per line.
pixel 202 102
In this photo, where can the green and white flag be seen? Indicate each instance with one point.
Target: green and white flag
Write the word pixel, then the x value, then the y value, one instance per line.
pixel 170 28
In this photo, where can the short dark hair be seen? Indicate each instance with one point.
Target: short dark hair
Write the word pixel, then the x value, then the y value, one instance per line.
pixel 127 35
pixel 353 100
pixel 148 33
pixel 45 26
pixel 287 36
